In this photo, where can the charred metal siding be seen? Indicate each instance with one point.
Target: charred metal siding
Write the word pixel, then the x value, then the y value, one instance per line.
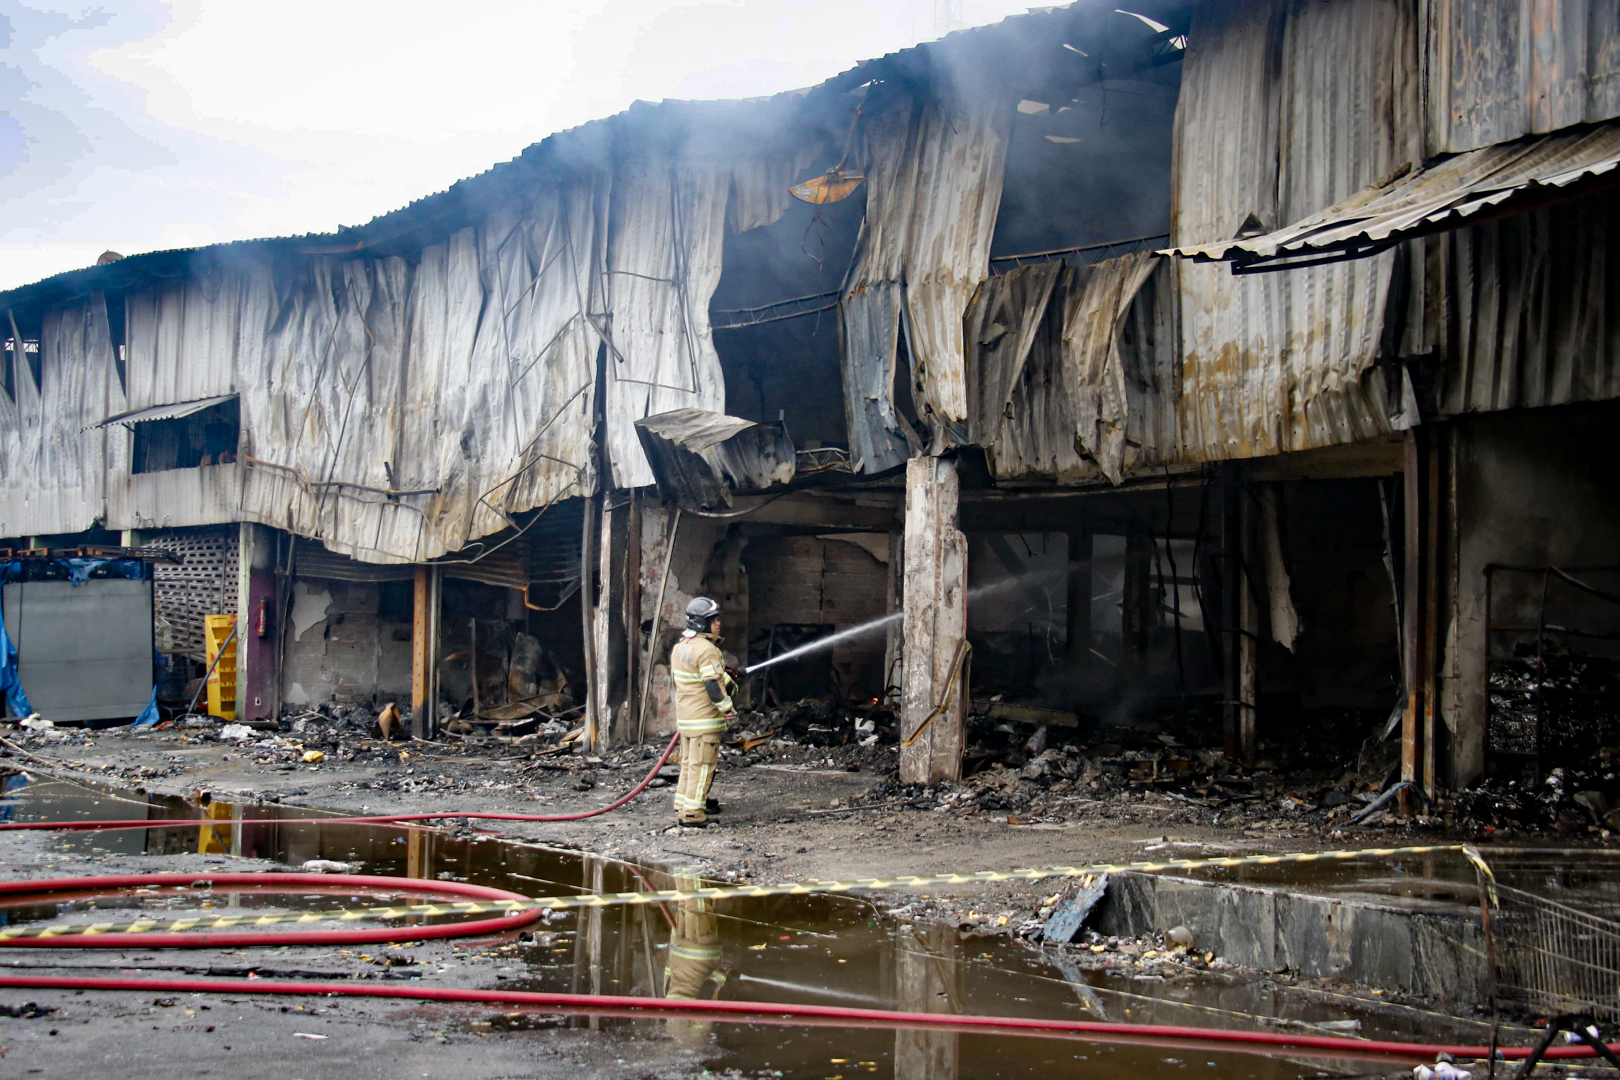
pixel 1502 69
pixel 1073 370
pixel 1287 106
pixel 1532 309
pixel 934 164
pixel 668 223
pixel 398 411
pixel 54 470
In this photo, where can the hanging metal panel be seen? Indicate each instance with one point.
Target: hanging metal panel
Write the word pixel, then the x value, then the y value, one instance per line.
pixel 1287 107
pixel 1500 70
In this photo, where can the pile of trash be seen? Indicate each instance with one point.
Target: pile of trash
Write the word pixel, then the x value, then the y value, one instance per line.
pixel 1556 700
pixel 1584 797
pixel 1553 745
pixel 33 730
pixel 280 753
pixel 817 732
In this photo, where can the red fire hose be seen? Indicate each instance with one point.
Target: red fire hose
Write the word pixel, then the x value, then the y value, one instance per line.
pixel 236 938
pixel 1245 1041
pixel 375 819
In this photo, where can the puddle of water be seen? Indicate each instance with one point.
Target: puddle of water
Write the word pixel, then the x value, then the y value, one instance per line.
pixel 826 950
pixel 1438 883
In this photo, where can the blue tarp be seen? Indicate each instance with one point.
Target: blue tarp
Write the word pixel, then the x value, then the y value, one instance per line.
pixel 10 684
pixel 79 569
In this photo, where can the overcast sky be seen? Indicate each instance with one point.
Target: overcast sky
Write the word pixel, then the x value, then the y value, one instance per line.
pixel 138 125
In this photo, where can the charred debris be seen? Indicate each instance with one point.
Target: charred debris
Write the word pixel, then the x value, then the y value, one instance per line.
pixel 1146 407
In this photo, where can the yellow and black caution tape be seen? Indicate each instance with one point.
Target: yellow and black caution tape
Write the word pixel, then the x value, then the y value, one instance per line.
pixel 720 892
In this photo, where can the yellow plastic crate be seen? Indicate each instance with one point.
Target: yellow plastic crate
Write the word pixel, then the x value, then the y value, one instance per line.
pixel 222 683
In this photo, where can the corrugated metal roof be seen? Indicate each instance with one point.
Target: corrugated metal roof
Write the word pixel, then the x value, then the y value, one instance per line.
pixel 1483 183
pixel 657 126
pixel 166 412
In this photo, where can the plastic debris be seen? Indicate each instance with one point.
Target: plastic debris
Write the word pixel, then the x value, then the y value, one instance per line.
pixel 1441 1070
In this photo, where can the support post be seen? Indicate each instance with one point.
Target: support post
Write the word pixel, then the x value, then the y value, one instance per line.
pixel 1412 614
pixel 632 617
pixel 256 677
pixel 1231 618
pixel 894 643
pixel 425 653
pixel 1431 621
pixel 588 599
pixel 933 707
pixel 1246 700
pixel 925 970
pixel 1137 600
pixel 1077 610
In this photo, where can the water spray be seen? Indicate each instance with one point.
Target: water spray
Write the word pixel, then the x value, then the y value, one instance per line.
pixel 829 641
pixel 883 621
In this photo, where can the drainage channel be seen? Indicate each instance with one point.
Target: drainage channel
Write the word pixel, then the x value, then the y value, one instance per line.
pixel 808 950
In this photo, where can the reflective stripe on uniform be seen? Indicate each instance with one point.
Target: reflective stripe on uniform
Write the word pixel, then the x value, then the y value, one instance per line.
pixel 701 727
pixel 696 952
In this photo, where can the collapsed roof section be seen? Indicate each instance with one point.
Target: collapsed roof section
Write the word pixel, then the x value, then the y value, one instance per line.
pixel 419 382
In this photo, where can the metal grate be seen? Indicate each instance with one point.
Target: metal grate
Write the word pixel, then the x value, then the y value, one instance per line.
pixel 1555 929
pixel 202 583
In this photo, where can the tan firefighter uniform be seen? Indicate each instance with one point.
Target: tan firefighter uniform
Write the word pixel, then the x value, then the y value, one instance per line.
pixel 694 960
pixel 701 721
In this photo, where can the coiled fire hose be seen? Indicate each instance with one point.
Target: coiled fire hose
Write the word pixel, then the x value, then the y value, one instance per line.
pixel 754 1011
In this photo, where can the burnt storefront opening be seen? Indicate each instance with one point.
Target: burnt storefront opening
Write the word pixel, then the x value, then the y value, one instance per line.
pixel 1120 617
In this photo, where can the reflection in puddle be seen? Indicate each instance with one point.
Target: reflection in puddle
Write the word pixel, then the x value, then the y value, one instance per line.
pixel 818 950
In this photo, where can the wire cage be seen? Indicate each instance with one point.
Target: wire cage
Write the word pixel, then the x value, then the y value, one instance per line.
pixel 1553 931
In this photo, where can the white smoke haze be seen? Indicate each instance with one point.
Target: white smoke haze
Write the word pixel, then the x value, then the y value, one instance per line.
pixel 141 124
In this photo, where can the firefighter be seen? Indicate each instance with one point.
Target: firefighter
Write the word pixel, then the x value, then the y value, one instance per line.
pixel 694 961
pixel 702 708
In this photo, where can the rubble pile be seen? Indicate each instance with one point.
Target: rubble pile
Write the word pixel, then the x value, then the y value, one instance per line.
pixel 1557 700
pixel 1553 749
pixel 1576 798
pixel 817 732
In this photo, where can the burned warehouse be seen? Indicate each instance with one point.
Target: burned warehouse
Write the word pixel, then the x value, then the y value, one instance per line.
pixel 1204 400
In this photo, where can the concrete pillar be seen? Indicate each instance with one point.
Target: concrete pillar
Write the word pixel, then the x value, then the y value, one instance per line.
pixel 933 686
pixel 256 624
pixel 425 653
pixel 926 980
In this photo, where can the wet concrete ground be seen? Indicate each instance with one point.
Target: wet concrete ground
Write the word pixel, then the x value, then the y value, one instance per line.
pixel 823 950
